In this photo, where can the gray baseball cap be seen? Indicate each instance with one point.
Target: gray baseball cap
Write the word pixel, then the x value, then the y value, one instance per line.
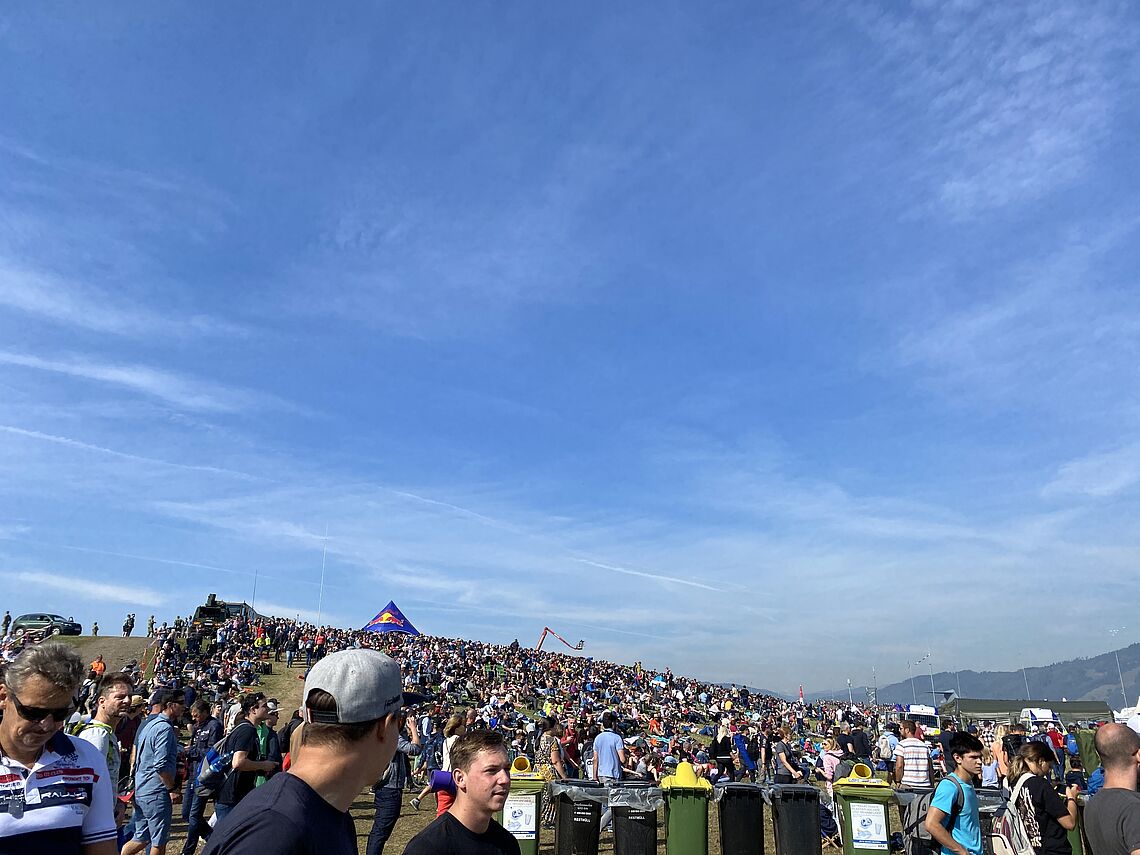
pixel 365 683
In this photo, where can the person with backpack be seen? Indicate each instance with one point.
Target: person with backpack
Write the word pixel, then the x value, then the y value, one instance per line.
pixel 206 732
pixel 1006 745
pixel 1047 817
pixel 953 820
pixel 247 761
pixel 782 760
pixel 111 704
pixel 886 746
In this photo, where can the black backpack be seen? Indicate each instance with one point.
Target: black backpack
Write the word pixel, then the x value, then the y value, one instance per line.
pixel 1011 743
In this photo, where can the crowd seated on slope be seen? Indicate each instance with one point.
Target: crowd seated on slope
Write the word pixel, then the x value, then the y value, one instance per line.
pixel 724 730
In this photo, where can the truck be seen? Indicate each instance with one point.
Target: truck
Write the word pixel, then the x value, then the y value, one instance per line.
pixel 927 716
pixel 1033 717
pixel 214 612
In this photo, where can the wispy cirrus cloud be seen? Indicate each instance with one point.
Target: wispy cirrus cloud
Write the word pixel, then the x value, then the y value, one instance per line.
pixel 175 389
pixel 1010 100
pixel 49 296
pixel 122 455
pixel 86 587
pixel 1048 330
pixel 1099 475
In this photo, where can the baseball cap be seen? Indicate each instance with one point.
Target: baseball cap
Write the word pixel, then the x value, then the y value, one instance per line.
pixel 137 701
pixel 365 684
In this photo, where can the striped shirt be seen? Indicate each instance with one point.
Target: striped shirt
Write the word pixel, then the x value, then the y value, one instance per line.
pixel 915 755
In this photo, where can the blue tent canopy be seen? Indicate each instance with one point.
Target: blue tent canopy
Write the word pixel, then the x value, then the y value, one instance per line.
pixel 390 619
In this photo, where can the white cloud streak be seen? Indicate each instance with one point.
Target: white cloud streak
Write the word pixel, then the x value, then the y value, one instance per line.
pixel 122 455
pixel 1097 475
pixel 174 389
pixel 86 587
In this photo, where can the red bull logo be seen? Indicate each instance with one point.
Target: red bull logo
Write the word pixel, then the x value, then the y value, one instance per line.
pixel 386 618
pixel 390 619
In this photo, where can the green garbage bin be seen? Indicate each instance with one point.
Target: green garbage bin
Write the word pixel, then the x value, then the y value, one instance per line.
pixel 522 813
pixel 863 815
pixel 687 821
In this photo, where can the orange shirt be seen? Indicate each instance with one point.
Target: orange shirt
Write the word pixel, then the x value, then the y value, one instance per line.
pixel 98 666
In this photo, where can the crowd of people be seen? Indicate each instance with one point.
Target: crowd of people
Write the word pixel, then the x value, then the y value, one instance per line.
pixel 419 704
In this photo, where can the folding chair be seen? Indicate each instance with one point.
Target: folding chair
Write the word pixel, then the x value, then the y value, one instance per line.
pixel 831 833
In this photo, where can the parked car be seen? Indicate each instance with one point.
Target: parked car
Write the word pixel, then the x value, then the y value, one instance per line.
pixel 45 624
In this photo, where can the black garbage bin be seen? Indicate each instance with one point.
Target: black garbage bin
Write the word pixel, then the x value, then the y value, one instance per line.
pixel 634 805
pixel 795 815
pixel 579 810
pixel 741 809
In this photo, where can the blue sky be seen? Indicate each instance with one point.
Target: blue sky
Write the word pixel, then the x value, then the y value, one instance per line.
pixel 697 331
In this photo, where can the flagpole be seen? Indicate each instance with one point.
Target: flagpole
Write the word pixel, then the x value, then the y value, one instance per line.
pixel 321 596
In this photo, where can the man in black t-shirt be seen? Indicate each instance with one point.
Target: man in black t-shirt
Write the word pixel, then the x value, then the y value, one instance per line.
pixel 353 701
pixel 482 776
pixel 949 728
pixel 247 761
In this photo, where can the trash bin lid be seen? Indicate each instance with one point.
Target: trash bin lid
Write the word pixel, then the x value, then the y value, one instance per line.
pixel 686 777
pixel 736 791
pixel 864 794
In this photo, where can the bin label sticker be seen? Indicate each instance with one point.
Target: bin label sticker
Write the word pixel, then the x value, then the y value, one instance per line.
pixel 868 826
pixel 519 815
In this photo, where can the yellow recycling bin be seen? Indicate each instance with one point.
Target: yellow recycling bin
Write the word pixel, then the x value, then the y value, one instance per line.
pixel 862 800
pixel 521 815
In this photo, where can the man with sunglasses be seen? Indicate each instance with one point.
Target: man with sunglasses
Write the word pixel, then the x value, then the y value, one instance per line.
pixel 55 791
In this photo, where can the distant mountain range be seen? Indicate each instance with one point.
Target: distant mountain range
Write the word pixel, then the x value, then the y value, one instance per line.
pixel 1090 679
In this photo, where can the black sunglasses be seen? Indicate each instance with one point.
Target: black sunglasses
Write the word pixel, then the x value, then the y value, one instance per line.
pixel 38 714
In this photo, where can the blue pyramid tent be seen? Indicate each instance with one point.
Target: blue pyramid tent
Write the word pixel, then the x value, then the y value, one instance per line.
pixel 390 619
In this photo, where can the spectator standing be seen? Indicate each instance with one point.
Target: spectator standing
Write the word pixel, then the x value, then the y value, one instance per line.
pixel 949 728
pixel 353 703
pixel 387 793
pixel 953 820
pixel 6 624
pixel 1047 816
pixel 248 761
pixel 156 761
pixel 609 757
pixel 482 783
pixel 111 704
pixel 1112 817
pixel 205 732
pixel 36 694
pixel 786 770
pixel 913 766
pixel 861 743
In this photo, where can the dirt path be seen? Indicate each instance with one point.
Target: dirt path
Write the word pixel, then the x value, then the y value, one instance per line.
pixel 117 651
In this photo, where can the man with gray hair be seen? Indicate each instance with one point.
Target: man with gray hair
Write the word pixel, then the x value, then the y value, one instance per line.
pixel 1112 818
pixel 56 793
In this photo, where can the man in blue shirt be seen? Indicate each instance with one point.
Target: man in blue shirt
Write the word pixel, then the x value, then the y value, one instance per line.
pixel 952 819
pixel 156 761
pixel 609 757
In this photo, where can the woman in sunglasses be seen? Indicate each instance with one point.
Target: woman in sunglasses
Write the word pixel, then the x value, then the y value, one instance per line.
pixel 55 794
